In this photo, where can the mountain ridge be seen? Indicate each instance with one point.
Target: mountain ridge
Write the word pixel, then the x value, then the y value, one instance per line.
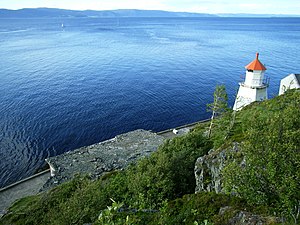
pixel 53 12
pixel 67 13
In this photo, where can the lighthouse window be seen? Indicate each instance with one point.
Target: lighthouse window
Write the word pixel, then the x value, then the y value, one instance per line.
pixel 250 70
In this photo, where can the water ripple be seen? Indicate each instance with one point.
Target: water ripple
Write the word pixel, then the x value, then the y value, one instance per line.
pixel 61 90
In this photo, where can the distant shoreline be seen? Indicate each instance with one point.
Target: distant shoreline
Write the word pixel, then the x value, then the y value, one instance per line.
pixel 123 13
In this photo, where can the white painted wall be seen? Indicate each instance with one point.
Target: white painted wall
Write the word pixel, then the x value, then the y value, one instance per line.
pixel 288 82
pixel 255 78
pixel 247 95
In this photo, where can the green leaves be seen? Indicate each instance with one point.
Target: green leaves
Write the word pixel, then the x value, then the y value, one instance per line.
pixel 219 108
pixel 271 150
pixel 220 104
pixel 167 173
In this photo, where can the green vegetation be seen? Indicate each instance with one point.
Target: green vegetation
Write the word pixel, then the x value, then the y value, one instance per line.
pixel 160 189
pixel 271 172
pixel 190 209
pixel 166 175
pixel 219 106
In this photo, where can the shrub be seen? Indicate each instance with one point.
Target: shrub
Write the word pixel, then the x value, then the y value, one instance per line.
pixel 167 173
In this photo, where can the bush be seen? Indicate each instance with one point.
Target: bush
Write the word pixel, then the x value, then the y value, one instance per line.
pixel 78 201
pixel 168 173
pixel 201 208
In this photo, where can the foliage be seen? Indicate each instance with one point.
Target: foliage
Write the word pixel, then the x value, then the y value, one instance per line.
pixel 201 208
pixel 269 133
pixel 118 215
pixel 74 202
pixel 222 129
pixel 271 172
pixel 219 106
pixel 107 215
pixel 168 173
pixel 191 208
pixel 205 206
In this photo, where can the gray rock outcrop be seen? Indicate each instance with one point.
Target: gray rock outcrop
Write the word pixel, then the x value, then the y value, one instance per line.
pixel 97 159
pixel 208 169
pixel 208 174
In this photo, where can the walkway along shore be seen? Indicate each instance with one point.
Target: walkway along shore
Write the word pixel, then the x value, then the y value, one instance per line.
pixel 33 184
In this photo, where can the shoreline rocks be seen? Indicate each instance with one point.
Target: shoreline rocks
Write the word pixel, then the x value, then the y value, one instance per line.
pixel 106 156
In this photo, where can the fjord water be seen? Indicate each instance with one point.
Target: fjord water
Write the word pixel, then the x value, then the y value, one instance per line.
pixel 66 87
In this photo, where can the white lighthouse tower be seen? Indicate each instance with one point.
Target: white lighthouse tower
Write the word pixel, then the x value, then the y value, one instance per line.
pixel 254 88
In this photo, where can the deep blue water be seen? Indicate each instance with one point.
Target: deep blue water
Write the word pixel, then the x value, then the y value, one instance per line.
pixel 63 88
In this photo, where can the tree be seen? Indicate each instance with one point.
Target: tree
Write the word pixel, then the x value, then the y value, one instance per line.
pixel 219 106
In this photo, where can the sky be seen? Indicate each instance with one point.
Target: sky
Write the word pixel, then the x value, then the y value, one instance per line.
pixel 200 6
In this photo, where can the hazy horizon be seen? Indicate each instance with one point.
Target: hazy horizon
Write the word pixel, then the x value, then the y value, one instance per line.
pixel 237 13
pixel 288 7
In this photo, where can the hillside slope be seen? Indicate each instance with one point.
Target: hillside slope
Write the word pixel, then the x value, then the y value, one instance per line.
pixel 160 189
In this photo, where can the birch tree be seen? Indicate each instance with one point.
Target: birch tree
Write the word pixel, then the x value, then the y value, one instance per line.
pixel 218 106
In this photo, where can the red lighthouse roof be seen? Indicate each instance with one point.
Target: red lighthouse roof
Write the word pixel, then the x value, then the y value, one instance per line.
pixel 255 64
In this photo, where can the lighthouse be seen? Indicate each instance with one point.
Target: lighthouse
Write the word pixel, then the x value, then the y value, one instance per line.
pixel 254 87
